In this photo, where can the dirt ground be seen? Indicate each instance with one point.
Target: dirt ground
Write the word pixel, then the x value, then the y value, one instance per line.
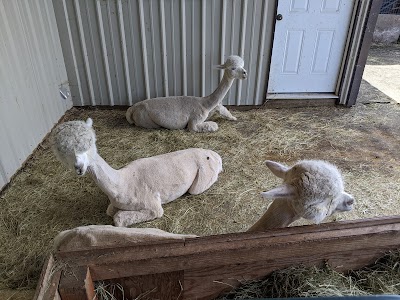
pixel 363 141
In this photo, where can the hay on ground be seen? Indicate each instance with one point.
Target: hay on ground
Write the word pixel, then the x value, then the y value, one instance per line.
pixel 299 281
pixel 45 198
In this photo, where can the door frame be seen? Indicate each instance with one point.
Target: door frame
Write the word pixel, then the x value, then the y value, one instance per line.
pixel 359 39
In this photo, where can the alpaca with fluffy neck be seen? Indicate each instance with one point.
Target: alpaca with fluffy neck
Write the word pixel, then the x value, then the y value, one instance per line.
pixel 179 112
pixel 138 190
pixel 311 189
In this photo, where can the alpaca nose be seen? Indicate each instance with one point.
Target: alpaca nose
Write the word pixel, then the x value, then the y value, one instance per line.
pixel 78 169
pixel 244 74
pixel 350 202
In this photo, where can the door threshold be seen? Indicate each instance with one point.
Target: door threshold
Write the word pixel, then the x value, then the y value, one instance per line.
pixel 301 96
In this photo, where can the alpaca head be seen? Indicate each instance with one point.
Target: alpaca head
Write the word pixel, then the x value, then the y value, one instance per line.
pixel 314 188
pixel 74 143
pixel 234 67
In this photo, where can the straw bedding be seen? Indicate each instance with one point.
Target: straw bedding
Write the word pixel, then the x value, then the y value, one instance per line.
pixel 299 281
pixel 45 198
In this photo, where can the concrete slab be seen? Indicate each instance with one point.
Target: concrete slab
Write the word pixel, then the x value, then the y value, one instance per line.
pixel 385 78
pixel 382 70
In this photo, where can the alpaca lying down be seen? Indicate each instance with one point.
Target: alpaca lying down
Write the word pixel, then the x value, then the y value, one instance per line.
pixel 179 112
pixel 138 190
pixel 104 236
pixel 311 189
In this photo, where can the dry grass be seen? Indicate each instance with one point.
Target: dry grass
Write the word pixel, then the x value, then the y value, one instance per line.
pixel 45 198
pixel 381 278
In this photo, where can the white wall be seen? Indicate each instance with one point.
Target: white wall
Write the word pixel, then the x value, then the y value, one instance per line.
pixel 31 72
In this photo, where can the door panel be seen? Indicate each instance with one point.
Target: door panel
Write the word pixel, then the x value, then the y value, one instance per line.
pixel 322 51
pixel 293 46
pixel 308 45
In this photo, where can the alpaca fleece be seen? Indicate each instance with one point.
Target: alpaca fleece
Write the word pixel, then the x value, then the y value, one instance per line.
pixel 138 190
pixel 179 112
pixel 104 236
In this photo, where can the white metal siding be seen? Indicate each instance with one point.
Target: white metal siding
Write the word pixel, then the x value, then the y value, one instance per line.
pixel 118 52
pixel 31 71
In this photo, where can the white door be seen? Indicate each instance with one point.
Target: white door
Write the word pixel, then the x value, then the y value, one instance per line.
pixel 308 45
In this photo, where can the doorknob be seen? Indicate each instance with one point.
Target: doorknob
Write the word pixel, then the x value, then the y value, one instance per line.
pixel 279 17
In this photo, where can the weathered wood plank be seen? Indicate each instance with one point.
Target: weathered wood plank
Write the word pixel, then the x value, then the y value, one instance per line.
pixel 72 284
pixel 294 251
pixel 154 286
pixel 225 241
pixel 216 251
pixel 221 279
pixel 48 281
pixel 89 286
pixel 205 266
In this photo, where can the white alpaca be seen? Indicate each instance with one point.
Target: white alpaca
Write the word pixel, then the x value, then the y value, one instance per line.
pixel 180 112
pixel 311 189
pixel 104 236
pixel 138 190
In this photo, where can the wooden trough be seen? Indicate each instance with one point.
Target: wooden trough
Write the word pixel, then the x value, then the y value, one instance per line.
pixel 204 267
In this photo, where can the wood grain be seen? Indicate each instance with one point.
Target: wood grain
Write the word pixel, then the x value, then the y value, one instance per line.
pixel 48 281
pixel 154 286
pixel 206 266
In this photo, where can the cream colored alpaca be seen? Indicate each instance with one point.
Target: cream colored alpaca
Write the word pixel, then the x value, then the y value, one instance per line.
pixel 311 189
pixel 138 190
pixel 104 236
pixel 180 112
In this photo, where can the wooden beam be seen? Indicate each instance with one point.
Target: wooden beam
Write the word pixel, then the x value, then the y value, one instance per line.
pixel 89 286
pixel 205 266
pixel 73 283
pixel 154 286
pixel 48 281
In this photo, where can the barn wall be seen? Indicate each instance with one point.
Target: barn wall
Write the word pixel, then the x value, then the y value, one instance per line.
pixel 118 52
pixel 31 72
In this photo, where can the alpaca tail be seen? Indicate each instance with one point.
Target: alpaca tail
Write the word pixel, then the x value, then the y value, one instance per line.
pixel 129 115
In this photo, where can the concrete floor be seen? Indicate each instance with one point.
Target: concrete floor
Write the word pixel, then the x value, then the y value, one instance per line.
pixel 383 70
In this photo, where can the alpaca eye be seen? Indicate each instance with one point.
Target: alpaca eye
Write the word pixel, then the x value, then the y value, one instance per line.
pixel 233 69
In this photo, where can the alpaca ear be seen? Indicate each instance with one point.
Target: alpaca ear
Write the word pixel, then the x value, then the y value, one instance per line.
pixel 277 169
pixel 219 67
pixel 89 122
pixel 284 191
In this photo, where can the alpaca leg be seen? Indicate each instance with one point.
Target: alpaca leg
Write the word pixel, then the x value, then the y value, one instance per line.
pixel 139 116
pixel 225 113
pixel 198 125
pixel 153 210
pixel 111 210
pixel 124 218
pixel 208 126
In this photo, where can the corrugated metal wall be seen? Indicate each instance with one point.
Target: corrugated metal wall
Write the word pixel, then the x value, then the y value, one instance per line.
pixel 31 71
pixel 118 52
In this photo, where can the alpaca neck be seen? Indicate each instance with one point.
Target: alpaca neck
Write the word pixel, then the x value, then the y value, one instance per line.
pixel 279 214
pixel 106 178
pixel 218 95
